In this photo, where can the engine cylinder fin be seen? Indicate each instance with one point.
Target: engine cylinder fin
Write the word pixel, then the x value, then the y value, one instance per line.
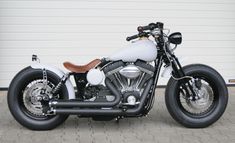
pixel 119 81
pixel 139 80
pixel 143 81
pixel 122 79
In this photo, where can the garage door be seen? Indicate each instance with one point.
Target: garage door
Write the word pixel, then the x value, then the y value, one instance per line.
pixel 81 30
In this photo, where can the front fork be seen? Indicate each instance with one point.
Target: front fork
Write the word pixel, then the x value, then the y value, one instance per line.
pixel 178 74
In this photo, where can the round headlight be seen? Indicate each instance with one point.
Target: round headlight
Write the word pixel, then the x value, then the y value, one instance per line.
pixel 175 38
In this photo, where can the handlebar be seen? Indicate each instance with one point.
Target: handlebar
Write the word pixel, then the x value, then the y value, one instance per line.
pixel 141 34
pixel 132 37
pixel 141 30
pixel 151 26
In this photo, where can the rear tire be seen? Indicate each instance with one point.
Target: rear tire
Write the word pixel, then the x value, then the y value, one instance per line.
pixel 214 111
pixel 17 106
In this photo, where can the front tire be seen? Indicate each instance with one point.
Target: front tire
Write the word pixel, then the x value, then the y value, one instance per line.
pixel 19 104
pixel 212 104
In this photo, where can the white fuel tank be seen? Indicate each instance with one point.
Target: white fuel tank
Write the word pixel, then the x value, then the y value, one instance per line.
pixel 143 49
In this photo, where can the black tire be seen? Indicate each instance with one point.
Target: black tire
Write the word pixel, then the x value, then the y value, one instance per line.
pixel 213 113
pixel 18 110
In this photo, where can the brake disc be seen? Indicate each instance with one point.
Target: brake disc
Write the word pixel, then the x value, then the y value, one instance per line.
pixel 203 103
pixel 32 96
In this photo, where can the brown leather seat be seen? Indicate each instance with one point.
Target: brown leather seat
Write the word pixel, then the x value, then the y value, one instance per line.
pixel 81 68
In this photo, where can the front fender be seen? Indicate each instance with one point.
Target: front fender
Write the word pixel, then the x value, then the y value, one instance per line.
pixel 58 72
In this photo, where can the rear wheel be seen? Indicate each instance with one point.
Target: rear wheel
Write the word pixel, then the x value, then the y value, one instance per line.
pixel 25 99
pixel 209 103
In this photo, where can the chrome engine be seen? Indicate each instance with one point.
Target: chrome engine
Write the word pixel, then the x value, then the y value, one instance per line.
pixel 129 78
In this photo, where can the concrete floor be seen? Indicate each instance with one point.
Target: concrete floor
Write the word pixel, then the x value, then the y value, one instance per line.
pixel 158 127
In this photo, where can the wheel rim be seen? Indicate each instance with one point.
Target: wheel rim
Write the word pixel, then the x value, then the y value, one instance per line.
pixel 204 104
pixel 32 96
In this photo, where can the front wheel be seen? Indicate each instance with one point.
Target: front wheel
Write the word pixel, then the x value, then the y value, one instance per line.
pixel 209 103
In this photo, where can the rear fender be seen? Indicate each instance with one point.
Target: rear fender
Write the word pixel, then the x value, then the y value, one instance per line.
pixel 58 72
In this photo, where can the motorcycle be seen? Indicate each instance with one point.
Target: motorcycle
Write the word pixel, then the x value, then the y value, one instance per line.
pixel 41 97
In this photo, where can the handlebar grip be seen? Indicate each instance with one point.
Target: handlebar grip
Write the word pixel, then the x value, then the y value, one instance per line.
pixel 142 28
pixel 132 37
pixel 151 26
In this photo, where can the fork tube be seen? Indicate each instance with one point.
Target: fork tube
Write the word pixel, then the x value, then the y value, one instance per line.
pixel 177 67
pixel 178 70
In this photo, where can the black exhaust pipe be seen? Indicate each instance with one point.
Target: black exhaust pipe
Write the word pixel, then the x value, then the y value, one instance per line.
pixel 113 112
pixel 73 103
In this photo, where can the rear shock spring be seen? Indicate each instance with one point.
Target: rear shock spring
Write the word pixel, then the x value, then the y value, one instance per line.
pixel 57 88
